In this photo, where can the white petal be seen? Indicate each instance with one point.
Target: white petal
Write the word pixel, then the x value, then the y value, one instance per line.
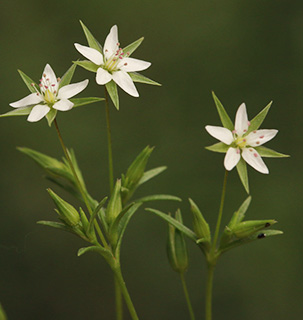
pixel 125 82
pixel 71 90
pixel 252 157
pixel 38 112
pixel 31 99
pixel 111 44
pixel 259 137
pixel 130 65
pixel 49 74
pixel 231 159
pixel 220 133
pixel 92 54
pixel 103 76
pixel 241 122
pixel 63 105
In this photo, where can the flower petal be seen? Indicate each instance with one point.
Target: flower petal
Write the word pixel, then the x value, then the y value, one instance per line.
pixel 220 133
pixel 38 112
pixel 252 157
pixel 71 90
pixel 63 105
pixel 259 137
pixel 130 65
pixel 103 76
pixel 125 82
pixel 232 158
pixel 31 99
pixel 92 54
pixel 49 74
pixel 241 122
pixel 111 44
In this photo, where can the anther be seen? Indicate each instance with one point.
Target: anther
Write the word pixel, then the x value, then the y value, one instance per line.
pixel 125 64
pixel 46 87
pixel 234 131
pixel 255 131
pixel 248 122
pixel 244 140
pixel 32 84
pixel 244 130
pixel 238 151
pixel 44 75
pixel 261 137
pixel 58 79
pixel 258 142
pixel 255 155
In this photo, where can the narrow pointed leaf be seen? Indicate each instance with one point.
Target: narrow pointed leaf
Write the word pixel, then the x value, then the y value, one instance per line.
pixel 95 212
pixel 133 46
pixel 242 171
pixel 225 119
pixel 147 175
pixel 256 122
pixel 88 65
pixel 157 197
pixel 91 40
pixel 218 147
pixel 28 81
pixel 57 225
pixel 112 90
pixel 189 233
pixel 50 116
pixel 84 101
pixel 98 249
pixel 238 216
pixel 269 153
pixel 67 77
pixel 137 77
pixel 18 112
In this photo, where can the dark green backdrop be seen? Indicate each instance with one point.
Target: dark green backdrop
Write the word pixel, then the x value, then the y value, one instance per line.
pixel 246 51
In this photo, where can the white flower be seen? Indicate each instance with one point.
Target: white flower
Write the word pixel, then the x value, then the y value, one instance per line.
pixel 241 143
pixel 49 96
pixel 114 64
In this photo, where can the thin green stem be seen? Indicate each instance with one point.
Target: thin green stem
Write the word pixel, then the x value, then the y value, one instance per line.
pixel 209 289
pixel 127 299
pixel 119 305
pixel 189 305
pixel 109 145
pixel 84 197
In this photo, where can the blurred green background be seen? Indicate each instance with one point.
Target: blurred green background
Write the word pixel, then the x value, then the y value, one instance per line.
pixel 246 51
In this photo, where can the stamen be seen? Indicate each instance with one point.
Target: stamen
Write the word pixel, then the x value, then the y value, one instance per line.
pixel 44 75
pixel 255 155
pixel 248 122
pixel 261 137
pixel 255 131
pixel 46 87
pixel 32 84
pixel 244 140
pixel 244 130
pixel 58 79
pixel 234 131
pixel 258 142
pixel 251 150
pixel 238 151
pixel 125 64
pixel 53 85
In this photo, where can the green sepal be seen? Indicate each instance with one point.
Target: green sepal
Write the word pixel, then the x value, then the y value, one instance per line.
pixel 88 65
pixel 67 77
pixel 56 225
pixel 176 247
pixel 3 315
pixel 102 217
pixel 147 175
pixel 91 40
pixel 189 233
pixel 90 229
pixel 133 46
pixel 112 90
pixel 28 81
pixel 256 122
pixel 200 225
pixel 83 101
pixel 17 112
pixel 218 147
pixel 239 215
pixel 115 204
pixel 105 253
pixel 156 197
pixel 50 116
pixel 247 228
pixel 269 153
pixel 242 171
pixel 225 119
pixel 66 211
pixel 84 220
pixel 137 77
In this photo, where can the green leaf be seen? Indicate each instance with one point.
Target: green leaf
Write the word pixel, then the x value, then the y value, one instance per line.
pixel 133 46
pixel 18 112
pixel 98 249
pixel 67 77
pixel 147 175
pixel 83 101
pixel 88 65
pixel 218 147
pixel 95 212
pixel 3 315
pixel 111 88
pixel 189 233
pixel 28 81
pixel 242 171
pixel 50 116
pixel 238 216
pixel 269 153
pixel 256 122
pixel 57 225
pixel 92 42
pixel 157 197
pixel 137 77
pixel 225 119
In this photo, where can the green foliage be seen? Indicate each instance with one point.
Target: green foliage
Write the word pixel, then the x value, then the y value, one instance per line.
pixel 91 40
pixel 17 112
pixel 256 122
pixel 218 147
pixel 225 119
pixel 242 171
pixel 28 81
pixel 112 90
pixel 2 313
pixel 88 65
pixel 269 153
pixel 137 77
pixel 67 77
pixel 84 101
pixel 133 46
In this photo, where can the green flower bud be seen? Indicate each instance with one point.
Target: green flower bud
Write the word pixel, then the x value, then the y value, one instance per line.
pixel 176 247
pixel 200 225
pixel 65 210
pixel 248 228
pixel 115 204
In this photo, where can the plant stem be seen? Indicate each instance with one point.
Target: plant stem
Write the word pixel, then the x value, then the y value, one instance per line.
pixel 84 197
pixel 109 144
pixel 213 256
pixel 190 308
pixel 119 305
pixel 127 299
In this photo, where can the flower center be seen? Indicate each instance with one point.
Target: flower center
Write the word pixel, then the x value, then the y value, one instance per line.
pixel 49 97
pixel 241 142
pixel 111 64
